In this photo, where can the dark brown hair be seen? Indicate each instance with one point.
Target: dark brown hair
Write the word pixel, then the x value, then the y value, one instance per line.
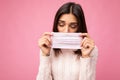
pixel 77 11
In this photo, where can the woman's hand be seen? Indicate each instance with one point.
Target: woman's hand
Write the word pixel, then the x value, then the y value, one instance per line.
pixel 45 43
pixel 87 45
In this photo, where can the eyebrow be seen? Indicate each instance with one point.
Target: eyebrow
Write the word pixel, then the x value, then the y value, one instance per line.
pixel 70 22
pixel 61 21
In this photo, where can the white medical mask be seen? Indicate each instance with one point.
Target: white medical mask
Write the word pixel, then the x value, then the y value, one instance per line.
pixel 66 40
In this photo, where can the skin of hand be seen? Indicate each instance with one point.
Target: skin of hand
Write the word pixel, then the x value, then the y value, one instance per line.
pixel 87 45
pixel 44 43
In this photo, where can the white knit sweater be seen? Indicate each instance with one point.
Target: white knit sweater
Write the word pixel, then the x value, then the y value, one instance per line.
pixel 67 66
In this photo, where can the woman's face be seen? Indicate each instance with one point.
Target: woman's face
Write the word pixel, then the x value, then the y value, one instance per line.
pixel 67 23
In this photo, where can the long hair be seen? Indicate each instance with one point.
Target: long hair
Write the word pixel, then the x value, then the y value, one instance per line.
pixel 77 11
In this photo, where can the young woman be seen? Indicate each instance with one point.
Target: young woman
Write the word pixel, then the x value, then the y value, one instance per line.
pixel 68 64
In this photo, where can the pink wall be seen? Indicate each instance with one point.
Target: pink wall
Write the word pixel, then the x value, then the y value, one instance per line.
pixel 23 21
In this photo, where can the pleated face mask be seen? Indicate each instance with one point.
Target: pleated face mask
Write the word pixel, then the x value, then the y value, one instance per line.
pixel 66 40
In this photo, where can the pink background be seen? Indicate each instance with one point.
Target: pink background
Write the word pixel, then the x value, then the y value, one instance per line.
pixel 23 21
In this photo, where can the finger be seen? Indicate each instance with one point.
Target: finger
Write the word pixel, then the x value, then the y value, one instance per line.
pixel 43 41
pixel 47 37
pixel 84 35
pixel 87 40
pixel 85 45
pixel 83 41
pixel 89 45
pixel 47 34
pixel 46 43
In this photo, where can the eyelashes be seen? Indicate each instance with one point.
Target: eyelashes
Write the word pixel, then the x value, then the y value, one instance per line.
pixel 61 24
pixel 71 25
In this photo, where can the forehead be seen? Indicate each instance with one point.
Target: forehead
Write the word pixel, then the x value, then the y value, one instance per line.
pixel 68 18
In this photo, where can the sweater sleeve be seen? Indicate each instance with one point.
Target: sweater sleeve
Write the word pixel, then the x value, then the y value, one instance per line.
pixel 44 72
pixel 88 66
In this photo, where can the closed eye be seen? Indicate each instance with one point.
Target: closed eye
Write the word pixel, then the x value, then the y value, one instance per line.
pixel 73 25
pixel 61 23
